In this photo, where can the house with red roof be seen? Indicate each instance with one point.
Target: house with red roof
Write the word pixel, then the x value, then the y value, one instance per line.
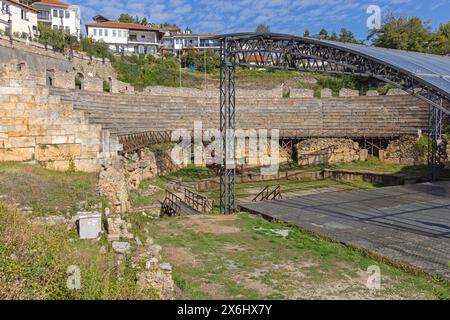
pixel 59 15
pixel 126 38
pixel 18 18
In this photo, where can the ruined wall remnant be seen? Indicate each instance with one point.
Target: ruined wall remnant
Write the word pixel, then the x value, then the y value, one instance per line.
pixel 120 175
pixel 403 151
pixel 324 151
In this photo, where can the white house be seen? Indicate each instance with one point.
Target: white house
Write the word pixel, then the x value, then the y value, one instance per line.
pixel 182 41
pixel 59 15
pixel 21 17
pixel 126 38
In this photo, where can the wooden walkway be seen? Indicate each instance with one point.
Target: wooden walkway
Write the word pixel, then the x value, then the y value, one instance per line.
pixel 410 223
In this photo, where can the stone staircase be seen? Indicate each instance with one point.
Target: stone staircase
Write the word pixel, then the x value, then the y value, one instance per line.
pixel 353 117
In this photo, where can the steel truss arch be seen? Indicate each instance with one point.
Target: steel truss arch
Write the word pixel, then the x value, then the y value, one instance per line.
pixel 279 51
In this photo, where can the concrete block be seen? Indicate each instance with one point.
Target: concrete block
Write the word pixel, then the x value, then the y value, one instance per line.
pixel 89 224
pixel 326 93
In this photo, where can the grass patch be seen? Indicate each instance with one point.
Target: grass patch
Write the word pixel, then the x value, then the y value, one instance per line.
pixel 256 263
pixel 48 191
pixel 34 261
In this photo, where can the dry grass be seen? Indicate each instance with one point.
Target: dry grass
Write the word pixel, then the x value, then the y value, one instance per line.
pixel 34 261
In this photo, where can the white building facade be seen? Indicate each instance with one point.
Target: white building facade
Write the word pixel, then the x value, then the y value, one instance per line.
pixel 20 18
pixel 59 15
pixel 126 38
pixel 180 42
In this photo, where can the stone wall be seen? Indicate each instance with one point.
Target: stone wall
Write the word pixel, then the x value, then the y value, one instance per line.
pixel 35 125
pixel 120 175
pixel 403 151
pixel 325 151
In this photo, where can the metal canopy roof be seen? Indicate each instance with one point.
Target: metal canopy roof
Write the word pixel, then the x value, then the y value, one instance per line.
pixel 434 70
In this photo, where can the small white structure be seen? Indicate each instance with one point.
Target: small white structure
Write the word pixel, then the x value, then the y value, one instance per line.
pixel 89 224
pixel 126 38
pixel 20 18
pixel 59 15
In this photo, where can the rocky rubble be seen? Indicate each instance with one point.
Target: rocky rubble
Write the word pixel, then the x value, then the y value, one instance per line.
pixel 323 151
pixel 402 151
pixel 121 175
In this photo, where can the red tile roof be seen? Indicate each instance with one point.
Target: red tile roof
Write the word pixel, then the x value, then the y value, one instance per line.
pixel 53 3
pixel 117 24
pixel 17 3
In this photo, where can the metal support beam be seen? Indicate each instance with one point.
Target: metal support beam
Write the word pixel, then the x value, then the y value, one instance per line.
pixel 436 147
pixel 227 130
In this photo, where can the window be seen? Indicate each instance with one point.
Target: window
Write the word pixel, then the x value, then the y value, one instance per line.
pixel 114 33
pixel 5 7
pixel 120 33
pixel 142 36
pixel 125 33
pixel 67 13
pixel 55 27
pixel 106 32
pixel 67 29
pixel 94 32
pixel 23 14
pixel 61 13
pixel 100 32
pixel 55 13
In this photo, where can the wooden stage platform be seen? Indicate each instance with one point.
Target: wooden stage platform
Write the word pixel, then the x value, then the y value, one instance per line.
pixel 409 223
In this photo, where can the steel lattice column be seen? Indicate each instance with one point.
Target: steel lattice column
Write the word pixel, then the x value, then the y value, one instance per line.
pixel 436 152
pixel 227 130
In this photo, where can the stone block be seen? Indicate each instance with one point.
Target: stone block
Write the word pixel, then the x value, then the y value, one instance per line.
pixel 89 224
pixel 345 92
pixel 372 93
pixel 302 93
pixel 326 93
pixel 16 154
pixel 363 154
pixel 55 152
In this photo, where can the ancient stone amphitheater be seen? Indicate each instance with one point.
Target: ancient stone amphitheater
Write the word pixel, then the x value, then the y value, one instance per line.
pixel 44 118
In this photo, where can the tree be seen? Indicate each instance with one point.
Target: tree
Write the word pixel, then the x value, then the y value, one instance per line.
pixel 196 58
pixel 53 37
pixel 144 21
pixel 323 33
pixel 347 36
pixel 334 37
pixel 263 28
pixel 126 18
pixel 402 33
pixel 306 33
pixel 440 42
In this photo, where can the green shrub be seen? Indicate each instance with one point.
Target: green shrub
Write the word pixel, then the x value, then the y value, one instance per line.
pixel 422 147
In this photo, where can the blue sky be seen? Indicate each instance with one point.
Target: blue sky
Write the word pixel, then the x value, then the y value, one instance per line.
pixel 284 16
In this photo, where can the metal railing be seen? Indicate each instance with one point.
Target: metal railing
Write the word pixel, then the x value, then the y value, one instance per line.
pixel 172 204
pixel 198 202
pixel 266 194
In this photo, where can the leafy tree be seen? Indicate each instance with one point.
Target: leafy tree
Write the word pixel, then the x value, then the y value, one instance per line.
pixel 306 33
pixel 440 42
pixel 95 48
pixel 126 18
pixel 263 28
pixel 50 36
pixel 196 58
pixel 334 37
pixel 347 36
pixel 402 33
pixel 323 33
pixel 144 21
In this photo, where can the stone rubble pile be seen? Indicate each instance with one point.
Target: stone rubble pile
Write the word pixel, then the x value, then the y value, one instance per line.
pixel 402 151
pixel 121 175
pixel 323 151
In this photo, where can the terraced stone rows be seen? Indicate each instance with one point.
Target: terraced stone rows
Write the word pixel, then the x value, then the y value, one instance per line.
pixel 358 116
